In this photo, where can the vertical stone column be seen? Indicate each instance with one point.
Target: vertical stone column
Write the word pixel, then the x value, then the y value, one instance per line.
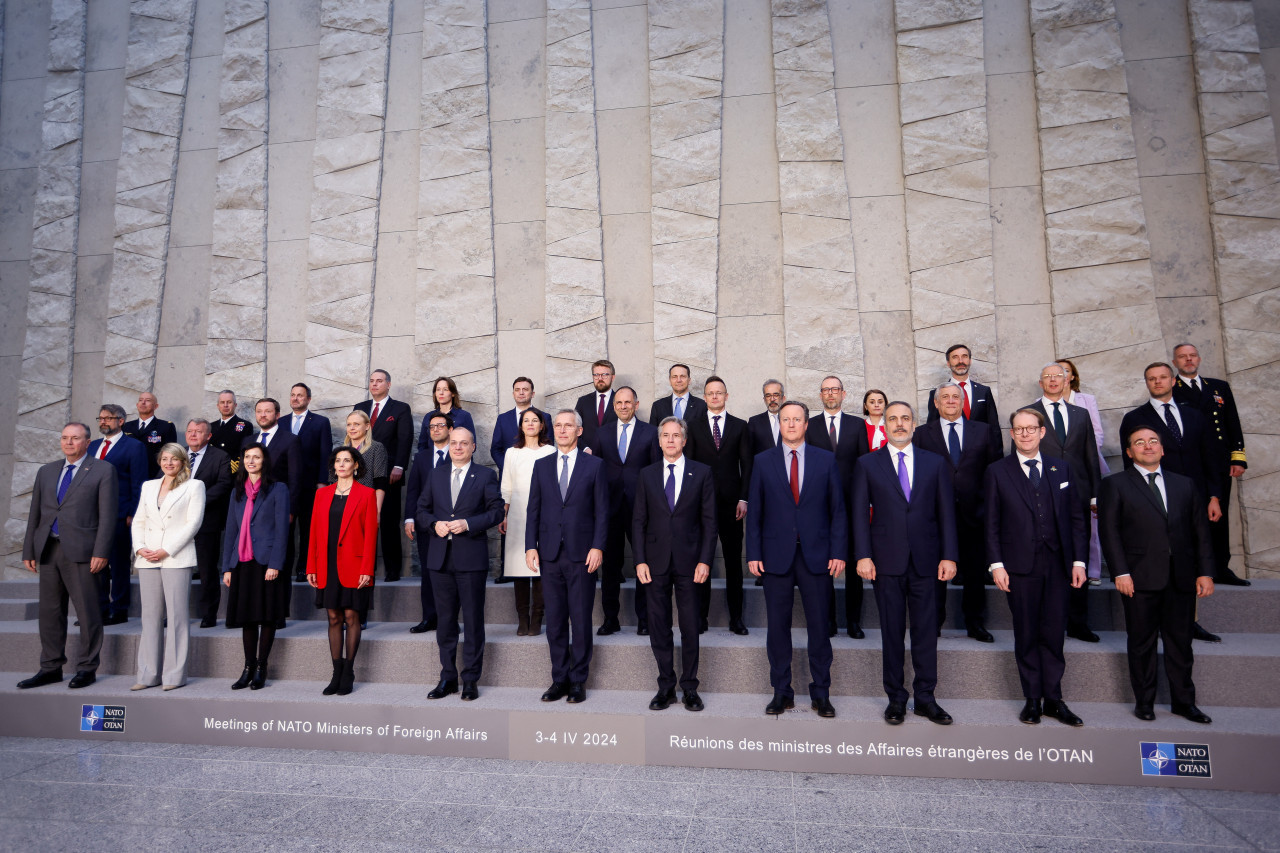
pixel 155 89
pixel 943 99
pixel 686 69
pixel 1244 197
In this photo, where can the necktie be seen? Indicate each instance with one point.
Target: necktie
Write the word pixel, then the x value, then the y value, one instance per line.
pixel 671 486
pixel 678 409
pixel 1172 423
pixel 1151 479
pixel 773 425
pixel 1034 469
pixel 832 432
pixel 622 443
pixel 102 453
pixel 1059 426
pixel 953 445
pixel 262 439
pixel 965 392
pixel 439 459
pixel 1195 383
pixel 297 423
pixel 600 411
pixel 904 479
pixel 195 461
pixel 715 430
pixel 795 477
pixel 564 476
pixel 373 416
pixel 63 485
pixel 455 486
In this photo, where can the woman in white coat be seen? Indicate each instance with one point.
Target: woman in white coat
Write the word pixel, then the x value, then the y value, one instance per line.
pixel 531 444
pixel 168 517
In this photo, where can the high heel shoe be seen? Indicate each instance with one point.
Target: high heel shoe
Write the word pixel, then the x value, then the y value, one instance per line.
pixel 245 677
pixel 336 681
pixel 259 676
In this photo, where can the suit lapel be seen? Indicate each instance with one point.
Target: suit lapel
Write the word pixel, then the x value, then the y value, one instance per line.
pixel 887 465
pixel 1022 482
pixel 684 486
pixel 82 468
pixel 575 477
pixel 1140 481
pixel 167 503
pixel 466 484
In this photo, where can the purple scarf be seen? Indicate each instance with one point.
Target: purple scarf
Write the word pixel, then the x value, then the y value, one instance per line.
pixel 245 544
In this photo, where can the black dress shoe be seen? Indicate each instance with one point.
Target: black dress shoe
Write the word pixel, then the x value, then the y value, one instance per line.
pixel 443 689
pixel 246 676
pixel 662 700
pixel 115 619
pixel 895 713
pixel 824 707
pixel 779 705
pixel 1082 634
pixel 1144 712
pixel 556 692
pixel 280 624
pixel 1031 712
pixel 470 692
pixel 391 579
pixel 423 627
pixel 577 693
pixel 692 701
pixel 934 712
pixel 40 679
pixel 738 627
pixel 259 679
pixel 610 626
pixel 1060 712
pixel 856 632
pixel 1199 633
pixel 703 626
pixel 83 678
pixel 1230 578
pixel 759 581
pixel 981 634
pixel 643 629
pixel 1191 712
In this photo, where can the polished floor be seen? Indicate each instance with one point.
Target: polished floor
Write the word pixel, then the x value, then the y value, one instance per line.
pixel 61 795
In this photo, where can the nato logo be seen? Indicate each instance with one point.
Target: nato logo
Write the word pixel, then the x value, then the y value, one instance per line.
pixel 102 718
pixel 1176 759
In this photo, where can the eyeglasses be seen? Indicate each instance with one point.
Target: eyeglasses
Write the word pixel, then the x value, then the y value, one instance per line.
pixel 108 418
pixel 1026 430
pixel 601 375
pixel 830 390
pixel 1146 442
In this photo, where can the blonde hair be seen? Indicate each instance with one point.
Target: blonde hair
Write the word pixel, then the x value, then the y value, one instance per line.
pixel 368 433
pixel 177 451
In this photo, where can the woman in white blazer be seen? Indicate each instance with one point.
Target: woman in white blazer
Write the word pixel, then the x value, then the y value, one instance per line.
pixel 169 513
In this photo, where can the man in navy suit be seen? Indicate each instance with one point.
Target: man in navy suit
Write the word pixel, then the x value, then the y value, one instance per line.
pixel 674 538
pixel 596 407
pixel 129 457
pixel 153 432
pixel 680 402
pixel 460 503
pixel 392 423
pixel 439 426
pixel 969 447
pixel 979 402
pixel 286 458
pixel 315 442
pixel 763 428
pixel 904 549
pixel 507 427
pixel 626 446
pixel 797 536
pixel 1038 544
pixel 567 528
pixel 212 467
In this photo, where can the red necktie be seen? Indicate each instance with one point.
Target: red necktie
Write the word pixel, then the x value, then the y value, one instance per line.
pixel 795 477
pixel 102 454
pixel 373 419
pixel 965 392
pixel 600 412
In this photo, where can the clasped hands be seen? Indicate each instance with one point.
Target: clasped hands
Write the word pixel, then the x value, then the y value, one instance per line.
pixel 444 528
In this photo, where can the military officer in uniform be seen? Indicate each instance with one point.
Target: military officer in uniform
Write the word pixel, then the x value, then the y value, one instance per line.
pixel 231 433
pixel 153 432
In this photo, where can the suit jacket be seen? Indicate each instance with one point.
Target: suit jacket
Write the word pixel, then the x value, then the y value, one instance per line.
pixel 621 476
pixel 664 406
pixel 87 516
pixel 158 433
pixel 505 430
pixel 675 539
pixel 572 526
pixel 853 441
pixel 977 452
pixel 172 525
pixel 1219 407
pixel 416 482
pixel 286 464
pixel 479 504
pixel 232 437
pixel 268 528
pixel 315 443
pixel 130 460
pixel 1141 541
pixel 460 417
pixel 1081 449
pixel 776 524
pixel 215 473
pixel 587 407
pixel 731 463
pixel 920 532
pixel 394 430
pixel 357 539
pixel 1195 456
pixel 1011 520
pixel 982 405
pixel 760 432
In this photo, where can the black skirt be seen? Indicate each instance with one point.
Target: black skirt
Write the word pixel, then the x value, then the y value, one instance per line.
pixel 253 598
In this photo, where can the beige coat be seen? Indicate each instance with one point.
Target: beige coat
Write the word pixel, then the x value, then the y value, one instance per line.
pixel 171 526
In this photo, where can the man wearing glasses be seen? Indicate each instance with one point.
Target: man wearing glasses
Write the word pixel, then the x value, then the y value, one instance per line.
pixel 129 457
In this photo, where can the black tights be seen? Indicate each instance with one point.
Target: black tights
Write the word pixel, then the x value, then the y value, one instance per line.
pixel 257 637
pixel 339 619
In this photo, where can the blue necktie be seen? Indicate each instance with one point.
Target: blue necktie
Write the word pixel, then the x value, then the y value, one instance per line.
pixel 1033 467
pixel 439 459
pixel 904 479
pixel 63 485
pixel 953 445
pixel 622 443
pixel 671 486
pixel 679 407
pixel 1172 423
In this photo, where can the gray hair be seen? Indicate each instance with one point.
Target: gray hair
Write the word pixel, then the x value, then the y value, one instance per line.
pixel 116 410
pixel 786 403
pixel 1053 364
pixel 769 382
pixel 577 418
pixel 200 422
pixel 1185 344
pixel 832 376
pixel 943 387
pixel 672 419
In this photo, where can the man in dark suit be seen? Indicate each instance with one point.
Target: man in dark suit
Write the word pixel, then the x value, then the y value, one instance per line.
pixel 507 427
pixel 153 432
pixel 284 449
pixel 461 502
pixel 393 427
pixel 1038 544
pixel 1214 399
pixel 846 437
pixel 439 426
pixel 720 440
pixel 797 536
pixel 674 538
pixel 1155 537
pixel 212 467
pixel 763 428
pixel 565 536
pixel 315 443
pixel 1069 435
pixel 596 408
pixel 231 433
pixel 968 447
pixel 129 457
pixel 81 492
pixel 979 402
pixel 904 550
pixel 680 402
pixel 626 445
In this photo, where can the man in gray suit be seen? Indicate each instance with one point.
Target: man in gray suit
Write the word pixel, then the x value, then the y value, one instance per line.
pixel 69 531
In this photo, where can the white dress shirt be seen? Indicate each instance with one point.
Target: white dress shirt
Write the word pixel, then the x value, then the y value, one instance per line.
pixel 1062 407
pixel 832 421
pixel 268 435
pixel 879 435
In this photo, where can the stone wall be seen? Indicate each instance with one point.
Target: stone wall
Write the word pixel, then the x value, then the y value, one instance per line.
pixel 199 194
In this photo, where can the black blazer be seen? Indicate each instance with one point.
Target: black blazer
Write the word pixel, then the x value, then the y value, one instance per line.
pixel 676 540
pixel 982 405
pixel 663 408
pixel 286 463
pixel 1195 456
pixel 1011 520
pixel 977 453
pixel 232 437
pixel 479 502
pixel 731 464
pixel 1140 541
pixel 586 407
pixel 215 473
pixel 157 434
pixel 394 431
pixel 315 441
pixel 760 433
pixel 853 442
pixel 1081 449
pixel 621 476
pixel 1219 406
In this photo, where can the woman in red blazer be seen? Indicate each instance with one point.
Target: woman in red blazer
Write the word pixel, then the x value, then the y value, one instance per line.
pixel 343 548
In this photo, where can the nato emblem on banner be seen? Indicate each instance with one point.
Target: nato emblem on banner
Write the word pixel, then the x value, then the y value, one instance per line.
pixel 1157 759
pixel 102 718
pixel 1176 759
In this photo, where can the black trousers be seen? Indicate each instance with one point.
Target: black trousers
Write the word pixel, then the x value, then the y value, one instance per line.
pixel 1038 601
pixel 390 530
pixel 658 594
pixel 729 529
pixel 815 592
pixel 1167 615
pixel 1220 533
pixel 569 597
pixel 459 592
pixel 208 544
pixel 295 559
pixel 427 593
pixel 114 588
pixel 611 578
pixel 972 574
pixel 897 596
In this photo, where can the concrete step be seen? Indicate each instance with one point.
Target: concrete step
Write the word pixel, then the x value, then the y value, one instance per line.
pixel 19 609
